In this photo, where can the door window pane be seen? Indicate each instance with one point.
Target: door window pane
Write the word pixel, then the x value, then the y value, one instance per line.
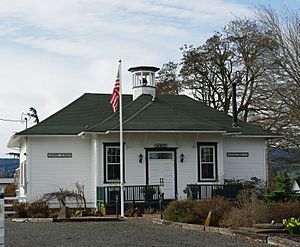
pixel 161 156
pixel 207 170
pixel 207 154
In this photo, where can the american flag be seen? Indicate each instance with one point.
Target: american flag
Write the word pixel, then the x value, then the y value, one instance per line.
pixel 114 100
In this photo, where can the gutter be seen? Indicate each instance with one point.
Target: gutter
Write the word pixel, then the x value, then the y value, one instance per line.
pixel 156 131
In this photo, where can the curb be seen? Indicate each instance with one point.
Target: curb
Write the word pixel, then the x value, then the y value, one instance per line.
pixel 263 238
pixel 89 219
pixel 77 219
pixel 282 242
pixel 33 220
pixel 199 228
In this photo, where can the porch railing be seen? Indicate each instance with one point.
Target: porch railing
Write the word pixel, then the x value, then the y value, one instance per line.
pixel 204 191
pixel 132 194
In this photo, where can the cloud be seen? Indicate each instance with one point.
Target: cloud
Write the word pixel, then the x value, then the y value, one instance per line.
pixel 51 53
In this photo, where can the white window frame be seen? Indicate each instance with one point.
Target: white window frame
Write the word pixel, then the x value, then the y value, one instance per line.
pixel 106 163
pixel 213 162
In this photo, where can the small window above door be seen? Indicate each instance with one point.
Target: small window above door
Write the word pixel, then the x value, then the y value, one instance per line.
pixel 160 156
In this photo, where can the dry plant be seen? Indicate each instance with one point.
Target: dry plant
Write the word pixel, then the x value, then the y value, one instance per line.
pixel 63 194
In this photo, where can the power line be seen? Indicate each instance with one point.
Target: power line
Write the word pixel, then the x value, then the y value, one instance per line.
pixel 12 120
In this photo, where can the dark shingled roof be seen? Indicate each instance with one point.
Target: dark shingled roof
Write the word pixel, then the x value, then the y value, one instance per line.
pixel 93 113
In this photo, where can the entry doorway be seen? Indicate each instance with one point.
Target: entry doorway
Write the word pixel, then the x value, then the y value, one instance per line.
pixel 162 170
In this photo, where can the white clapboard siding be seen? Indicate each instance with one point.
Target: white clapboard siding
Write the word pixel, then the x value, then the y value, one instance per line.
pixel 50 174
pixel 135 144
pixel 244 167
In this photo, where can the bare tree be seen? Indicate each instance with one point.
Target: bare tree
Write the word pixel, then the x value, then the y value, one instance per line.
pixel 284 77
pixel 238 54
pixel 168 82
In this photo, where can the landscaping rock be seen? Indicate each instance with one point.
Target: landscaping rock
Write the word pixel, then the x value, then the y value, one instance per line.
pixel 64 213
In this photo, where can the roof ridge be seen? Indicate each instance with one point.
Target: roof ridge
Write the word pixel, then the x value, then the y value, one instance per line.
pixel 136 113
pixel 111 116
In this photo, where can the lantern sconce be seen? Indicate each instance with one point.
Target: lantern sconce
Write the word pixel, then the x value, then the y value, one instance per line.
pixel 140 158
pixel 181 157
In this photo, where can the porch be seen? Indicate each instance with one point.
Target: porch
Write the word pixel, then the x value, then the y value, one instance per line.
pixel 150 195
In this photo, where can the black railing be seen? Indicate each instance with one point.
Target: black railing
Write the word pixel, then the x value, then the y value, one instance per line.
pixel 132 194
pixel 204 191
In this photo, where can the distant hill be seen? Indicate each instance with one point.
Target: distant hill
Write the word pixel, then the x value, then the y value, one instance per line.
pixel 285 161
pixel 8 167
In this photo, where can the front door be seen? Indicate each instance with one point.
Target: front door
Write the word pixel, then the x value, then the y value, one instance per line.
pixel 161 171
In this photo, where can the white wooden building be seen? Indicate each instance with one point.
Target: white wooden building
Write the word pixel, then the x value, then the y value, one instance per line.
pixel 171 141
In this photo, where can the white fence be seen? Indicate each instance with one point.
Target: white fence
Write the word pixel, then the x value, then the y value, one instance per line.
pixel 2 222
pixel 9 202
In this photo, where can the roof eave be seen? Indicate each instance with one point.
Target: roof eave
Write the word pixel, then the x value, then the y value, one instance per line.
pixel 258 136
pixel 15 141
pixel 156 131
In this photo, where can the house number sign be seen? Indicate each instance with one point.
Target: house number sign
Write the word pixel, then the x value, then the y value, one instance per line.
pixel 160 145
pixel 59 155
pixel 237 154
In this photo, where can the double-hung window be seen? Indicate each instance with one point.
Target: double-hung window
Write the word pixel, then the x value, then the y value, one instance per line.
pixel 207 161
pixel 112 163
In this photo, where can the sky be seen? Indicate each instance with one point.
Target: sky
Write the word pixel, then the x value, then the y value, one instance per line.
pixel 52 52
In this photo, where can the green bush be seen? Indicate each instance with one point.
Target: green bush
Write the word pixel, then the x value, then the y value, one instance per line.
pixel 180 211
pixel 196 212
pixel 282 190
pixel 291 225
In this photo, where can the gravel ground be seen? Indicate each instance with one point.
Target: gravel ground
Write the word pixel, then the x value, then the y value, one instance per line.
pixel 134 232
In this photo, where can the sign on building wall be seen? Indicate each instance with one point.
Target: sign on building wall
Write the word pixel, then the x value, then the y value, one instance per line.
pixel 59 155
pixel 160 145
pixel 237 154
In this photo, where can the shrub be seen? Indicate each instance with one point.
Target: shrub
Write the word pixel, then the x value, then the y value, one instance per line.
pixel 196 211
pixel 21 210
pixel 250 213
pixel 257 185
pixel 133 212
pixel 10 190
pixel 282 190
pixel 248 210
pixel 38 209
pixel 284 210
pixel 149 210
pixel 180 211
pixel 291 225
pixel 218 206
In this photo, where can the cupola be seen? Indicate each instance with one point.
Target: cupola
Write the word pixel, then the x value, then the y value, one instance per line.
pixel 143 80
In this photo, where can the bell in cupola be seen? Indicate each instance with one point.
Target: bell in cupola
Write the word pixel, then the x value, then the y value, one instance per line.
pixel 143 80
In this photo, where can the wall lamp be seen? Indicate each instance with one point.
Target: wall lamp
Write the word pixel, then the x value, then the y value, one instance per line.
pixel 181 157
pixel 140 158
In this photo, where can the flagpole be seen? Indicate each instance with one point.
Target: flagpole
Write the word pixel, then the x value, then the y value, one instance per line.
pixel 121 144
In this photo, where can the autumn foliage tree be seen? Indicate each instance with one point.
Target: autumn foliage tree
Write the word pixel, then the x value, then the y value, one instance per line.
pixel 262 56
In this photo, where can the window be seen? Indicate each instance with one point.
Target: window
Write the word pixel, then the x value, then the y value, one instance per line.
pixel 161 156
pixel 112 162
pixel 207 161
pixel 23 175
